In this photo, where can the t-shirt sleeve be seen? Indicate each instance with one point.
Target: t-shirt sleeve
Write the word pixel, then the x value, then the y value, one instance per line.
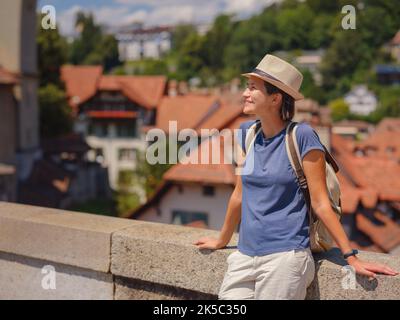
pixel 241 134
pixel 307 140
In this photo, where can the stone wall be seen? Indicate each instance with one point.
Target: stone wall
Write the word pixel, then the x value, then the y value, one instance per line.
pixel 97 257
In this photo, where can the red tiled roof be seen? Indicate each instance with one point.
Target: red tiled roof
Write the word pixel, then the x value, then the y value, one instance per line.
pixel 388 124
pixel 221 173
pixel 227 112
pixel 7 77
pixel 382 144
pixel 387 236
pixel 187 110
pixel 147 91
pixel 82 82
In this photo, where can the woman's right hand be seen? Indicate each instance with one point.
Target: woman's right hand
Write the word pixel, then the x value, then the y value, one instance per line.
pixel 209 243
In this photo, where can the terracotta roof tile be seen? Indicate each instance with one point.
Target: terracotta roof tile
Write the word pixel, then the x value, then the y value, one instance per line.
pixel 221 173
pixel 144 90
pixel 386 236
pixel 188 110
pixel 388 124
pixel 80 82
pixel 382 144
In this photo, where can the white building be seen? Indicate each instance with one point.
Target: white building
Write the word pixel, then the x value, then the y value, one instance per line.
pixel 139 43
pixel 111 112
pixel 361 101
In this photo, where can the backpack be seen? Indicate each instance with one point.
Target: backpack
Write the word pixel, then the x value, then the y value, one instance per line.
pixel 320 238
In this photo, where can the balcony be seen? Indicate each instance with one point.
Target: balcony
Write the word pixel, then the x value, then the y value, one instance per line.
pixel 98 257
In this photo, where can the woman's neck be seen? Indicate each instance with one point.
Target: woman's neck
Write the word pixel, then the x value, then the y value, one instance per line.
pixel 272 127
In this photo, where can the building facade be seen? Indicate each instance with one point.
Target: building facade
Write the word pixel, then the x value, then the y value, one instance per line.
pixel 18 55
pixel 110 112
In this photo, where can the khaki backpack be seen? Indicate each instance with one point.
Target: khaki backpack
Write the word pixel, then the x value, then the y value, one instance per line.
pixel 320 238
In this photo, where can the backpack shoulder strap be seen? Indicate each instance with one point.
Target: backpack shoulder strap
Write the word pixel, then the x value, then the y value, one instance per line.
pixel 251 135
pixel 294 158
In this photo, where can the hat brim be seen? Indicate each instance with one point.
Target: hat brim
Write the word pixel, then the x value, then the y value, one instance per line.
pixel 293 93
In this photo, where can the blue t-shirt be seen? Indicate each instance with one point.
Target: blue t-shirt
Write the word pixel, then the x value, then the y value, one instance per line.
pixel 274 212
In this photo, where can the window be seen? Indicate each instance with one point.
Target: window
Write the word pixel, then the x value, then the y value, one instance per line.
pixel 98 129
pixel 208 191
pixel 184 217
pixel 126 130
pixel 127 154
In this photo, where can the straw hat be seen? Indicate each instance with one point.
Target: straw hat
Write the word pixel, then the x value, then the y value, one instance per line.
pixel 279 73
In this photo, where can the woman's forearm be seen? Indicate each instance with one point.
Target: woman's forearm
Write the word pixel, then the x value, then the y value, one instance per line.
pixel 335 228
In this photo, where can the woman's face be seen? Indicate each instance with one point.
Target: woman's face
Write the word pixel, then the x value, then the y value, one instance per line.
pixel 257 100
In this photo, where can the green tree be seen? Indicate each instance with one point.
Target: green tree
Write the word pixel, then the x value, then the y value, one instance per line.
pixel 180 34
pixel 125 199
pixel 215 43
pixel 93 46
pixel 342 59
pixel 294 27
pixel 339 109
pixel 52 51
pixel 191 57
pixel 54 112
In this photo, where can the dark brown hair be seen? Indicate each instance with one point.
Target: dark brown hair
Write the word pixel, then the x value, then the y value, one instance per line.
pixel 287 107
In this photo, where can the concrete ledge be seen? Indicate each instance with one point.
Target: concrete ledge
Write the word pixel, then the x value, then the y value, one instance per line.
pixel 77 239
pixel 332 282
pixel 98 257
pixel 23 278
pixel 164 254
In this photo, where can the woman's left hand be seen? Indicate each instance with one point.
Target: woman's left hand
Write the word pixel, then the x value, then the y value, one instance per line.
pixel 370 269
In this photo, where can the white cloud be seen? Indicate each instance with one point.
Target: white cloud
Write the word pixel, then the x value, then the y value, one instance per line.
pixel 111 15
pixel 162 12
pixel 66 20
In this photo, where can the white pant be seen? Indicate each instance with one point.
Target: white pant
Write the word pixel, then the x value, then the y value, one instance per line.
pixel 283 275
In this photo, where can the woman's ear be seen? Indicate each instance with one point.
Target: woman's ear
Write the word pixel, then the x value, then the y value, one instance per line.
pixel 277 99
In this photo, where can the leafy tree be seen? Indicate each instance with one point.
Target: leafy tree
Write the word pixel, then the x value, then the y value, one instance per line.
pixel 54 112
pixel 93 46
pixel 310 89
pixel 216 41
pixel 52 54
pixel 180 34
pixel 191 57
pixel 339 109
pixel 343 59
pixel 294 26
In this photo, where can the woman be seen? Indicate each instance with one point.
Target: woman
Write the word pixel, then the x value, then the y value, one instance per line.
pixel 274 260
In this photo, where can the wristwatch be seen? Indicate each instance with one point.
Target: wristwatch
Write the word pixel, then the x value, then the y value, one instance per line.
pixel 349 254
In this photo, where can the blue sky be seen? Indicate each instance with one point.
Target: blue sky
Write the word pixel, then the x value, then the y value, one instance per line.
pixel 150 12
